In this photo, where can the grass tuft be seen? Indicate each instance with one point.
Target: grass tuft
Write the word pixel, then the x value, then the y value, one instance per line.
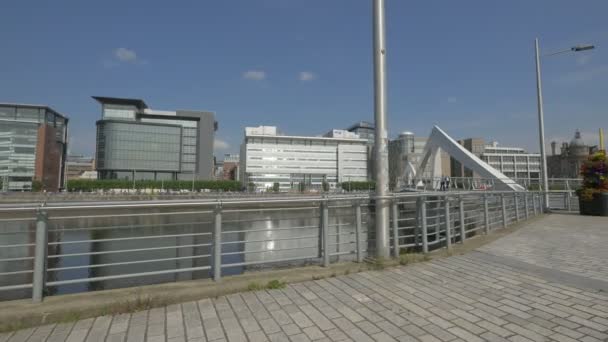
pixel 411 258
pixel 275 284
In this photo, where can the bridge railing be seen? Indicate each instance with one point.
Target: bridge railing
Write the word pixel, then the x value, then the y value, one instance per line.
pixel 478 183
pixel 67 248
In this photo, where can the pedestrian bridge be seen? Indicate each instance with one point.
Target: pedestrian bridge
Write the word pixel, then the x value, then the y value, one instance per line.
pixel 546 281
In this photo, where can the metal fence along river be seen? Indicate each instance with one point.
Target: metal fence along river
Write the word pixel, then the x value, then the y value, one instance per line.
pixel 66 248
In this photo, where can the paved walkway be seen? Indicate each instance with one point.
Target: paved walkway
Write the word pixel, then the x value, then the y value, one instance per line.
pixel 546 282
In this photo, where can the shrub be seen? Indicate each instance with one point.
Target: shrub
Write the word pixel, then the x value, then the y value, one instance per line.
pixel 275 284
pixel 88 185
pixel 255 287
pixel 358 186
pixel 37 186
pixel 595 176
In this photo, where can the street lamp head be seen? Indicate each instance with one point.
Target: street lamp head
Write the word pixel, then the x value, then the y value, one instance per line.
pixel 583 48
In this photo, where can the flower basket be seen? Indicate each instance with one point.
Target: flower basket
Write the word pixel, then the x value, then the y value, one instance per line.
pixel 593 196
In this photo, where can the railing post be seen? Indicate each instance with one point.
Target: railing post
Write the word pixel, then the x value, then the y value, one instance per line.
pixel 526 206
pixel 425 238
pixel 504 210
pixel 534 200
pixel 463 232
pixel 569 202
pixel 325 231
pixel 448 233
pixel 217 244
pixel 395 210
pixel 418 226
pixel 486 214
pixel 358 238
pixel 566 200
pixel 40 257
pixel 516 201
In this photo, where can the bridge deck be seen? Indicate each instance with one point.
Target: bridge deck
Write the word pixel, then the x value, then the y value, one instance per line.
pixel 547 281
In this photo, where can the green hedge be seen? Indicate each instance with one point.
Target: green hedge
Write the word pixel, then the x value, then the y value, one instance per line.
pixel 107 184
pixel 37 186
pixel 358 186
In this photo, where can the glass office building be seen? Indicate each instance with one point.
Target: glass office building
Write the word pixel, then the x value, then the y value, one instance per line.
pixel 136 142
pixel 32 147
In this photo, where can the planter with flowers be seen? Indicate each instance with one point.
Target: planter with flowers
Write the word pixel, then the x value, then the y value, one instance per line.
pixel 593 196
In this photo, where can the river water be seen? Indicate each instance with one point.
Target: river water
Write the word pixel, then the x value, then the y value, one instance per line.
pixel 104 243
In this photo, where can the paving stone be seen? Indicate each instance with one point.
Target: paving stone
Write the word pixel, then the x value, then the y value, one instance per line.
pixel 593 333
pixel 117 337
pixel 257 336
pixel 22 335
pixel 136 333
pixel 291 329
pixel 40 334
pixel 78 335
pixel 491 337
pixel 465 335
pixel 383 337
pixel 472 297
pixel 313 333
pixel 278 337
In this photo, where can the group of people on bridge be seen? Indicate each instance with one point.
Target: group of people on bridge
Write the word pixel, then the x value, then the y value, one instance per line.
pixel 445 183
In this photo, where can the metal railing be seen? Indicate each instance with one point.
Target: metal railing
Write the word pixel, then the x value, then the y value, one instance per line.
pixel 478 183
pixel 63 248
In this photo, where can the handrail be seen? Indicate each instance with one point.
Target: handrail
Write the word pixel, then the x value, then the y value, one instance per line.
pixel 229 231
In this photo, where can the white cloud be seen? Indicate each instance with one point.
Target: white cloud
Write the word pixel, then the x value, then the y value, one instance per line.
pixel 583 59
pixel 306 76
pixel 219 144
pixel 452 99
pixel 254 75
pixel 125 55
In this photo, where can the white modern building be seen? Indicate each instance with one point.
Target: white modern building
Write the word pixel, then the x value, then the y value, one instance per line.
pixel 268 157
pixel 513 162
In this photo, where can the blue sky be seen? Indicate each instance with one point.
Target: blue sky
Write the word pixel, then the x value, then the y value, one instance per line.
pixel 306 66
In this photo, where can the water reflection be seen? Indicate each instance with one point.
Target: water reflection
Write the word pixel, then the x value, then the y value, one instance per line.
pixel 98 245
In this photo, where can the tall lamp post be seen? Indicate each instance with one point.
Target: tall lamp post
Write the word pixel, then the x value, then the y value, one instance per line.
pixel 541 120
pixel 381 138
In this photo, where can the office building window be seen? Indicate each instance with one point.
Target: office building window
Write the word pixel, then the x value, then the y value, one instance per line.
pixel 7 113
pixel 28 114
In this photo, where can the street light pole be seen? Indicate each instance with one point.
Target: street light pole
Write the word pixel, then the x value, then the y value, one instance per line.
pixel 381 138
pixel 541 126
pixel 541 122
pixel 193 170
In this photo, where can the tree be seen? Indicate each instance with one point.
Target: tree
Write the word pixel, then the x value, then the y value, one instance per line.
pixel 276 187
pixel 325 185
pixel 36 186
